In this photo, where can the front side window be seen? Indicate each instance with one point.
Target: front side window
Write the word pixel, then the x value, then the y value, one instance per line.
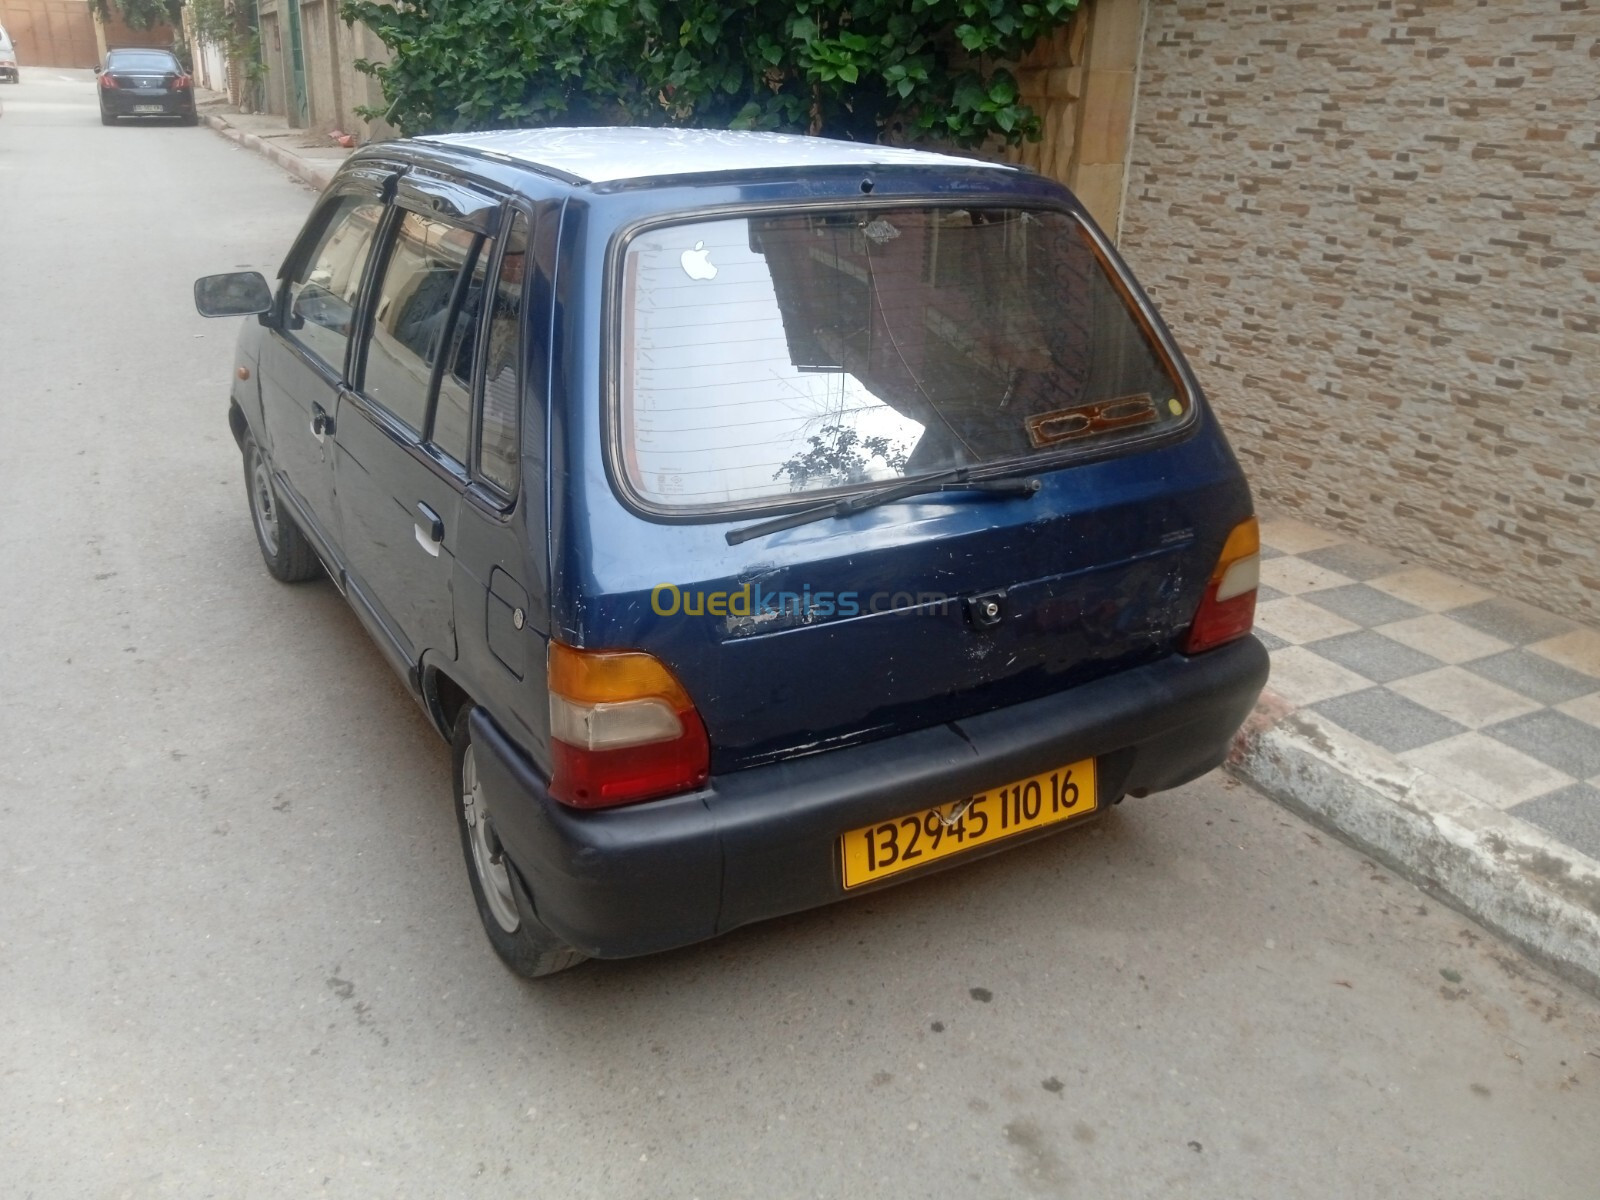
pixel 321 295
pixel 410 321
pixel 767 357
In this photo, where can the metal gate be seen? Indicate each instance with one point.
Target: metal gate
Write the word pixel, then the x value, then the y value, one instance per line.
pixel 51 33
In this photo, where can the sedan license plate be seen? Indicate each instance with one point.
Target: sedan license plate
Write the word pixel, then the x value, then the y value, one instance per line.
pixel 149 108
pixel 875 852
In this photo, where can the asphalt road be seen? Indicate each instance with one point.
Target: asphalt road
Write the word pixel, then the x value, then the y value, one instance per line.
pixel 238 956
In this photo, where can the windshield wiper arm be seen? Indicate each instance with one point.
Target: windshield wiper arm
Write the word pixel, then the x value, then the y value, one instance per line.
pixel 954 480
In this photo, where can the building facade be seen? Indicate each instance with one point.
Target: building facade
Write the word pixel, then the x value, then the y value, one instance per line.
pixel 310 55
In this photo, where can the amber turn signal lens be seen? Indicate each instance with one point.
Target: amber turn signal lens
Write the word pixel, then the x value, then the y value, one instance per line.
pixel 609 676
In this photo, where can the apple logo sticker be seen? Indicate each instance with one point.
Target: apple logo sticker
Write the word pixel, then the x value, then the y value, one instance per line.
pixel 697 263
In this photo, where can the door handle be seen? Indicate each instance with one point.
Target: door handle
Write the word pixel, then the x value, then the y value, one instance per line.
pixel 321 422
pixel 430 530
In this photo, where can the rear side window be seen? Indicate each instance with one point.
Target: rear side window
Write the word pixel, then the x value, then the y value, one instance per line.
pixel 321 295
pixel 452 413
pixel 409 326
pixel 769 356
pixel 502 380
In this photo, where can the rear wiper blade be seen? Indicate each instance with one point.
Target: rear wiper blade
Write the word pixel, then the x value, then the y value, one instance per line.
pixel 954 480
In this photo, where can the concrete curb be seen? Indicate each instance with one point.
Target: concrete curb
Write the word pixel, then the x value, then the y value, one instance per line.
pixel 305 170
pixel 1504 873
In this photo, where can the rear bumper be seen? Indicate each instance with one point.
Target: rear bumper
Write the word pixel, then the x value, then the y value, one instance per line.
pixel 122 102
pixel 764 842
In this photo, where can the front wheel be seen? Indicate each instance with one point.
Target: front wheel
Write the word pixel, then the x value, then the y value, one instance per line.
pixel 285 550
pixel 518 936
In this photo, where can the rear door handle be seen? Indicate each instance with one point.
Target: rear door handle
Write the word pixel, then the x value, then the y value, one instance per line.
pixel 430 530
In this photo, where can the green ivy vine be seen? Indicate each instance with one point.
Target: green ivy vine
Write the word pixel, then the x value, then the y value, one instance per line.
pixel 859 69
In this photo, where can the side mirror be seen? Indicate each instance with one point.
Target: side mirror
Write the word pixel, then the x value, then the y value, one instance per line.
pixel 99 70
pixel 236 294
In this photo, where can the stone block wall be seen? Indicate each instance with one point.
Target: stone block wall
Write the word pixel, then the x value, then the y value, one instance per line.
pixel 1375 227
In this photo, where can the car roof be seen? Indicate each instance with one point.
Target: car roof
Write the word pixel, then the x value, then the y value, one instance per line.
pixel 609 155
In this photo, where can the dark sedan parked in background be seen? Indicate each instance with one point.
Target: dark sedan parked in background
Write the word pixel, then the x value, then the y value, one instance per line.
pixel 145 83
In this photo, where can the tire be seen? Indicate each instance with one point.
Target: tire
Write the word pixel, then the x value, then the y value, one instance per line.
pixel 285 550
pixel 189 119
pixel 521 940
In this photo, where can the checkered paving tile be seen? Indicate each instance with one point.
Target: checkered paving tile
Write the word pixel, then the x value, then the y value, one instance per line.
pixel 1572 814
pixel 1490 695
pixel 1534 676
pixel 1364 605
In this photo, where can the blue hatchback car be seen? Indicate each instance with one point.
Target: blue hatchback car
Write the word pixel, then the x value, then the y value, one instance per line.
pixel 763 520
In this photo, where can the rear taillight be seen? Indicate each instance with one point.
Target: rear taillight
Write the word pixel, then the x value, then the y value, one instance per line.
pixel 182 83
pixel 1229 608
pixel 107 81
pixel 622 729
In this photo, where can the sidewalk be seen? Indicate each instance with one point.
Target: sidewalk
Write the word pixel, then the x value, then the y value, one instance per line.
pixel 311 158
pixel 1451 733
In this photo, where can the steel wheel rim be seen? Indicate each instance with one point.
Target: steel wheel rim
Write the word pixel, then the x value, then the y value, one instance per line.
pixel 263 504
pixel 487 859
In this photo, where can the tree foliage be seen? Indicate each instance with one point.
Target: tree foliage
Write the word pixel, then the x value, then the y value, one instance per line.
pixel 860 69
pixel 839 455
pixel 140 14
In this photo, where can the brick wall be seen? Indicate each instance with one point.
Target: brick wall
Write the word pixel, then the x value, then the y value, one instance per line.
pixel 1375 227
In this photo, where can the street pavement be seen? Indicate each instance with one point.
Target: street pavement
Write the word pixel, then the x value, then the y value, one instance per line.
pixel 239 957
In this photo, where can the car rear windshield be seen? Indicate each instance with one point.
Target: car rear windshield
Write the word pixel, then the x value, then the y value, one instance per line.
pixel 767 357
pixel 148 61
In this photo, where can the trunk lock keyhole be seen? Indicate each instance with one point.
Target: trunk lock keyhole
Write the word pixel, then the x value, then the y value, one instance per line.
pixel 987 611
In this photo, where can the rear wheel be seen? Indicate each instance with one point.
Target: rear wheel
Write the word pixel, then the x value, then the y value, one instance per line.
pixel 189 119
pixel 518 936
pixel 289 557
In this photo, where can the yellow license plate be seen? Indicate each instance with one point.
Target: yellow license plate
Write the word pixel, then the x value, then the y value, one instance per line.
pixel 875 852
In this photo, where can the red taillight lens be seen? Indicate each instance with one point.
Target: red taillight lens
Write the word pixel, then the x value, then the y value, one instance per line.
pixel 623 729
pixel 107 82
pixel 1228 610
pixel 183 83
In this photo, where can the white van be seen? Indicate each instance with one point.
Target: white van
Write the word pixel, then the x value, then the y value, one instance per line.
pixel 8 58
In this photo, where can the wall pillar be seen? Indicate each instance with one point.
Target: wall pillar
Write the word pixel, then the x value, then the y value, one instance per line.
pixel 1083 82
